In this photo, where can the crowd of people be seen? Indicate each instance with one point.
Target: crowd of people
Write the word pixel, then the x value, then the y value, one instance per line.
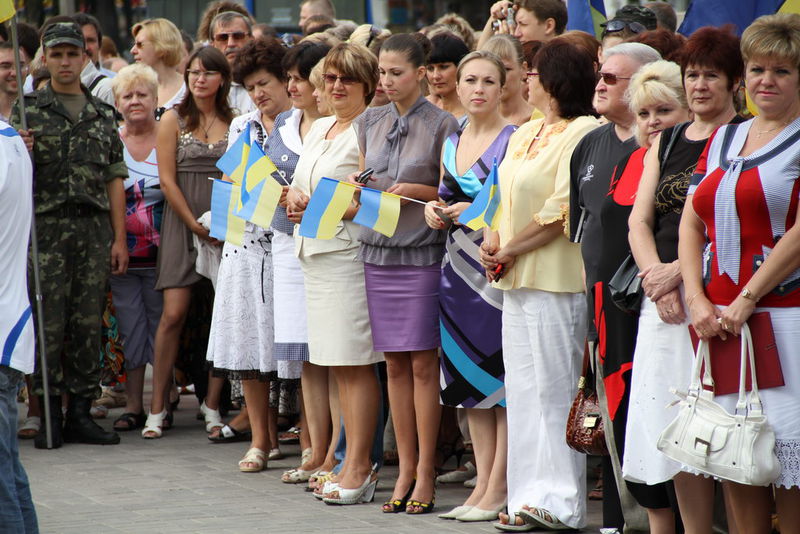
pixel 636 147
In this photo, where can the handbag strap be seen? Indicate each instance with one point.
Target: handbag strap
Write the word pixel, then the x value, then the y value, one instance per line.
pixel 585 369
pixel 748 355
pixel 701 359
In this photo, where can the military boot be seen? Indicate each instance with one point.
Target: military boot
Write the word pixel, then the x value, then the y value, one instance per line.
pixel 81 428
pixel 56 422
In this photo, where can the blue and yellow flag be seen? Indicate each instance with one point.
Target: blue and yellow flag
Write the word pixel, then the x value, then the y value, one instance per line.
pixel 234 161
pixel 226 226
pixel 260 194
pixel 379 210
pixel 485 209
pixel 586 15
pixel 7 10
pixel 740 13
pixel 325 209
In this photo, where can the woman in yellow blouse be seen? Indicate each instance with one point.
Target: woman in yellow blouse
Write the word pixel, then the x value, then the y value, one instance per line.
pixel 544 307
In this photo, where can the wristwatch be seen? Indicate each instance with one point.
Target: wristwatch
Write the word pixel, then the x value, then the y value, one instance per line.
pixel 746 293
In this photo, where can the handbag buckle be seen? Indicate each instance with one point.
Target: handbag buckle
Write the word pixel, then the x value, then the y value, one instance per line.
pixel 701 445
pixel 590 420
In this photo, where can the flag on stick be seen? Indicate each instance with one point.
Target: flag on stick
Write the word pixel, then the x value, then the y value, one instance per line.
pixel 226 226
pixel 379 210
pixel 234 161
pixel 485 209
pixel 7 10
pixel 260 194
pixel 326 207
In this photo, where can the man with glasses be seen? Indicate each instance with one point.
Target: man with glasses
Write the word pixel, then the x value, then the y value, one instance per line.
pixel 8 78
pixel 230 31
pixel 629 20
pixel 591 167
pixel 80 219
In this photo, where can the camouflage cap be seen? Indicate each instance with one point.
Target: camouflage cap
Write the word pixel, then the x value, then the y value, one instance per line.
pixel 63 33
pixel 632 13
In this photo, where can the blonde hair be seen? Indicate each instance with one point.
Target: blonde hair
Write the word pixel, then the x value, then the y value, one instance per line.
pixel 459 26
pixel 369 36
pixel 166 39
pixel 315 75
pixel 321 38
pixel 655 83
pixel 505 47
pixel 775 36
pixel 486 55
pixel 357 61
pixel 132 75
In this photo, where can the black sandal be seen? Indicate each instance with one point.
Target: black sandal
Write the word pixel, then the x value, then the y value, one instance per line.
pixel 228 434
pixel 132 421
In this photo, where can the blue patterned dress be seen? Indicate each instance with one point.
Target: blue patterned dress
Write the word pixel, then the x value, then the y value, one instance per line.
pixel 470 309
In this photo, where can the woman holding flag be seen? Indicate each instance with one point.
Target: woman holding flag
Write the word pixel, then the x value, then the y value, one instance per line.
pixel 402 143
pixel 470 309
pixel 533 261
pixel 336 302
pixel 241 340
pixel 191 138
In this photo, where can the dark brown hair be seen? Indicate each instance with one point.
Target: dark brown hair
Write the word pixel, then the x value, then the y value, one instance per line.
pixel 265 53
pixel 567 73
pixel 669 44
pixel 717 48
pixel 212 59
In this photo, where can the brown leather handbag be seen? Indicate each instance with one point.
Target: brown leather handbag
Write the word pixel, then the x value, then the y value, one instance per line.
pixel 585 429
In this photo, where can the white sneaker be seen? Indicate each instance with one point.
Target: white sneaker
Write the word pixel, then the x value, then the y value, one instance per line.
pixel 471 482
pixel 459 475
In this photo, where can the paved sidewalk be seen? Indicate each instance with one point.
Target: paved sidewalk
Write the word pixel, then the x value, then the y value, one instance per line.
pixel 183 483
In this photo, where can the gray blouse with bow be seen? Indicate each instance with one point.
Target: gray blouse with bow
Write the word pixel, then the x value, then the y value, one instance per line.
pixel 404 149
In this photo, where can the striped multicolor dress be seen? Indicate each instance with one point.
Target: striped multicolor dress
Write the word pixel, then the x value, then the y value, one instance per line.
pixel 470 309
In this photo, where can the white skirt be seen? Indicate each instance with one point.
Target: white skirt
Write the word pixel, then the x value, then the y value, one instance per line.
pixel 242 334
pixel 336 304
pixel 663 359
pixel 289 300
pixel 782 405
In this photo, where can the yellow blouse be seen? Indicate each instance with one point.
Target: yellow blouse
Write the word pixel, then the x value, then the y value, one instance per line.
pixel 535 187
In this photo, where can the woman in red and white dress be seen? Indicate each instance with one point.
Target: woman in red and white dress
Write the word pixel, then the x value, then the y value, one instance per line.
pixel 739 247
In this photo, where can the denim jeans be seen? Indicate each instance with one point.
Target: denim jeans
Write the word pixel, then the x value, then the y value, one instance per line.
pixel 17 515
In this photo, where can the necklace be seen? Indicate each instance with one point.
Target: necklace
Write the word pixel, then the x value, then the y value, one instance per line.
pixel 206 130
pixel 759 133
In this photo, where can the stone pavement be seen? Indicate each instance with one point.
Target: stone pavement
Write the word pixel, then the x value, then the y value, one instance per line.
pixel 183 483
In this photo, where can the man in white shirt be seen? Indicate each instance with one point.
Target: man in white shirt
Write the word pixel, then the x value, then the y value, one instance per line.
pixel 17 513
pixel 229 32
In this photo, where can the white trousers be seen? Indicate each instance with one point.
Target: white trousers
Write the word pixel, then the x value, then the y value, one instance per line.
pixel 543 337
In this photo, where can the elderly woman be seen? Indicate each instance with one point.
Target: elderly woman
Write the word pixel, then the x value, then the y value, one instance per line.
pixel 711 67
pixel 191 138
pixel 241 341
pixel 137 303
pixel 442 61
pixel 543 306
pixel 657 101
pixel 739 247
pixel 339 333
pixel 514 106
pixel 472 358
pixel 158 44
pixel 402 143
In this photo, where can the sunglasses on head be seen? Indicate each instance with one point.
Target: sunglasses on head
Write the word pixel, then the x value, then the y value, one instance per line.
pixel 617 25
pixel 610 79
pixel 223 37
pixel 330 79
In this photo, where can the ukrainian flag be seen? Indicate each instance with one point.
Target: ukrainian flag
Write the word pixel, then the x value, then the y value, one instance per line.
pixel 379 211
pixel 226 226
pixel 260 194
pixel 234 161
pixel 485 209
pixel 586 15
pixel 325 209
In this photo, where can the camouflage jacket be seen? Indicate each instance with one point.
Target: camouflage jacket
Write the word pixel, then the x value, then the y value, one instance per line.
pixel 72 161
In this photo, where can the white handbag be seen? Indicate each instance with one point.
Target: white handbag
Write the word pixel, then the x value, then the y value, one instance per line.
pixel 738 447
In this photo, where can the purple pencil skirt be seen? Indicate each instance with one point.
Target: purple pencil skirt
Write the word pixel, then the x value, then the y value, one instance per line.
pixel 403 303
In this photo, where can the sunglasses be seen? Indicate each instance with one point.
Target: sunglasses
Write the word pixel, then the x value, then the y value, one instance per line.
pixel 224 37
pixel 617 25
pixel 610 79
pixel 330 79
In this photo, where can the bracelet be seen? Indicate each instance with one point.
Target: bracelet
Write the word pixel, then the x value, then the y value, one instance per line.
pixel 690 299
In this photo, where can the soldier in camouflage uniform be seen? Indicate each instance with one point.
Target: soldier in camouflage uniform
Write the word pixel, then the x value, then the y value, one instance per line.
pixel 80 219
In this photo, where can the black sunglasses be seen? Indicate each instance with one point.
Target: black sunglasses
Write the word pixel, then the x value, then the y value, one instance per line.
pixel 618 25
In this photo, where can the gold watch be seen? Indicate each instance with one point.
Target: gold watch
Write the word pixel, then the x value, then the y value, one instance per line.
pixel 746 293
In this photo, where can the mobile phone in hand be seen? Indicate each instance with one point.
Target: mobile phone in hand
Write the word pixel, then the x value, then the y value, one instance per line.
pixel 442 215
pixel 363 178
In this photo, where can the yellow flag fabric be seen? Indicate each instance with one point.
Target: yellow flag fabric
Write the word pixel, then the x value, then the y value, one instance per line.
pixel 7 10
